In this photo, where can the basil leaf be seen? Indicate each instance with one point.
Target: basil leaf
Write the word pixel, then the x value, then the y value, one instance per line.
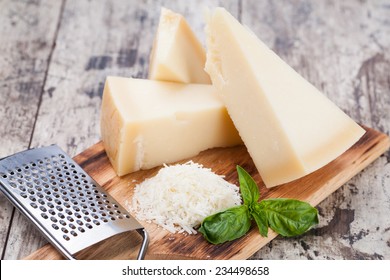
pixel 227 225
pixel 288 217
pixel 261 220
pixel 249 190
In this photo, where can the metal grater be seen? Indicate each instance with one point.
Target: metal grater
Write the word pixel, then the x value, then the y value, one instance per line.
pixel 63 201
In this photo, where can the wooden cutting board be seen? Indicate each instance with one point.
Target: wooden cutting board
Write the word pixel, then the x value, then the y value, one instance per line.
pixel 312 188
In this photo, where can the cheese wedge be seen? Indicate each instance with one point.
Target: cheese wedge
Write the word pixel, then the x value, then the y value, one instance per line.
pixel 289 128
pixel 177 55
pixel 148 123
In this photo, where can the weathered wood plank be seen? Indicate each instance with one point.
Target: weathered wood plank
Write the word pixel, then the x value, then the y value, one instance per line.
pixel 26 38
pixel 343 49
pixel 96 39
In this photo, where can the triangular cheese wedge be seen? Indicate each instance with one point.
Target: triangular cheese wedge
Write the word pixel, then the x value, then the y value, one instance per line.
pixel 177 55
pixel 288 126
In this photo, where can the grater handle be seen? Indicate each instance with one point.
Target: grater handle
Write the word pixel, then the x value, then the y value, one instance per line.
pixel 144 245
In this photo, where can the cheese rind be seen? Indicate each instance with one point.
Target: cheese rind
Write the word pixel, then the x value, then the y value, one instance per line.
pixel 289 127
pixel 148 123
pixel 177 55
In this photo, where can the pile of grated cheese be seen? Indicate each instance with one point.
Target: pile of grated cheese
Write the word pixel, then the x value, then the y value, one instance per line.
pixel 180 196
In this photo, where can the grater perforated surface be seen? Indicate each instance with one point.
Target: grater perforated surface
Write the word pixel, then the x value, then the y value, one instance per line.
pixel 61 199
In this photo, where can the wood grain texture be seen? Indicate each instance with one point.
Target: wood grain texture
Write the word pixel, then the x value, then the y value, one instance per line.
pixel 341 47
pixel 312 188
pixel 24 59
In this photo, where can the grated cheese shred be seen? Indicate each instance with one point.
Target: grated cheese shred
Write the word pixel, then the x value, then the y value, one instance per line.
pixel 180 196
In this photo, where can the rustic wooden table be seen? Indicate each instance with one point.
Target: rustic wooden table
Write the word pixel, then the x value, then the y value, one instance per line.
pixel 55 55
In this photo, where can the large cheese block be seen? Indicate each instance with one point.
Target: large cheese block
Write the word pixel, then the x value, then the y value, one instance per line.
pixel 148 123
pixel 288 126
pixel 177 55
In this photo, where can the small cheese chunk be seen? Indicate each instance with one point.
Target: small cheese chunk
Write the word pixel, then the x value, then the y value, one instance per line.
pixel 289 127
pixel 148 123
pixel 177 55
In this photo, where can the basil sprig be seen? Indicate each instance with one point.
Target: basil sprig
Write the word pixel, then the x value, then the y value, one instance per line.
pixel 287 217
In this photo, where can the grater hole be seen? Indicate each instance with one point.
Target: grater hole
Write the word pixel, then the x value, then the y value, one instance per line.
pixel 52 212
pixel 66 237
pixel 64 230
pixel 24 195
pixel 73 233
pixel 62 222
pixel 43 209
pixel 32 198
pixel 89 226
pixel 43 215
pixel 81 229
pixel 62 216
pixel 79 222
pixel 33 205
pixel 70 219
pixel 72 226
pixel 96 222
pixel 53 219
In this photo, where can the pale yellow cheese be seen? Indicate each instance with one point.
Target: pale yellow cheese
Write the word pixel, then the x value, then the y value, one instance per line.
pixel 177 55
pixel 148 123
pixel 289 127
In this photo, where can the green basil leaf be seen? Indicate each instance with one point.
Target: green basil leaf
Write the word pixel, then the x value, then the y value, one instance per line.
pixel 249 190
pixel 288 217
pixel 227 225
pixel 261 220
